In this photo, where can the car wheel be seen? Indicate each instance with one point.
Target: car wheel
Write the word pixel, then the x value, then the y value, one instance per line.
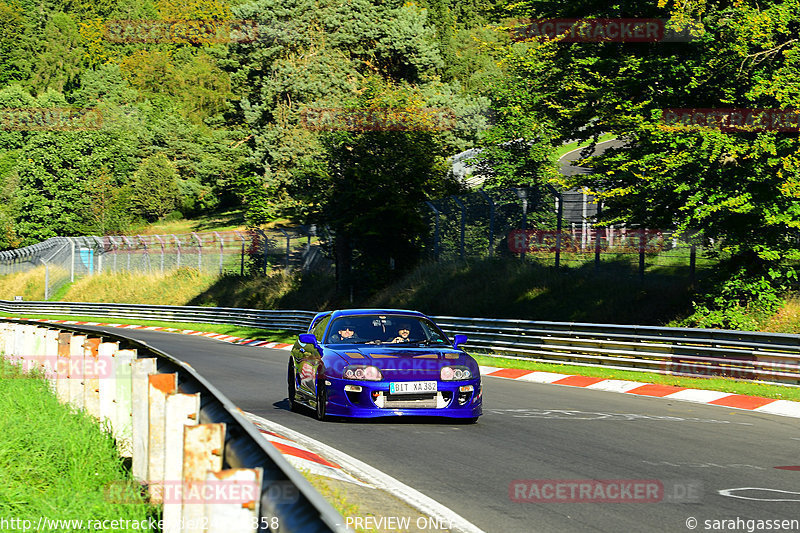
pixel 322 398
pixel 292 389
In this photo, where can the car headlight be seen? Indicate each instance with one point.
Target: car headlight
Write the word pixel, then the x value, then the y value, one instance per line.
pixel 451 373
pixel 362 373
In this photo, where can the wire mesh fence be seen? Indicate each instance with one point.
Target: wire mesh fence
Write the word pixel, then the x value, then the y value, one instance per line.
pixel 551 227
pixel 63 259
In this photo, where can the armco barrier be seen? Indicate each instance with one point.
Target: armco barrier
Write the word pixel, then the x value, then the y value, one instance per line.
pixel 744 355
pixel 195 451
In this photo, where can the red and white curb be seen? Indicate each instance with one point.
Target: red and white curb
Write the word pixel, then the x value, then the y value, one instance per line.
pixel 708 397
pixel 217 336
pixel 723 399
pixel 300 456
pixel 369 476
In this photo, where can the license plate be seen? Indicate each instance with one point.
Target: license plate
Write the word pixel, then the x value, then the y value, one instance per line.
pixel 412 387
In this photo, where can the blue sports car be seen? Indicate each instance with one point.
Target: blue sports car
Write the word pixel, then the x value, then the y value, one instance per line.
pixel 367 363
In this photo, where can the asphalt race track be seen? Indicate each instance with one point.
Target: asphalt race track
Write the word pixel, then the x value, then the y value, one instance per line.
pixel 545 432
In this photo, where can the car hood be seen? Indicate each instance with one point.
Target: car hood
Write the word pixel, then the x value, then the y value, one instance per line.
pixel 423 363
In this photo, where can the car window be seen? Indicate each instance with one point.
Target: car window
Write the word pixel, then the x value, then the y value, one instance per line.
pixel 319 328
pixel 380 329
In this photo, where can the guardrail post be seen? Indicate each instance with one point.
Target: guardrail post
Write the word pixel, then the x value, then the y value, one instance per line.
pixel 202 453
pixel 160 386
pixel 140 415
pixel 235 516
pixel 93 364
pixel 182 410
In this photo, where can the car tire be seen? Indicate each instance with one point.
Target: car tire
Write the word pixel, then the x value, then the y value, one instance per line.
pixel 322 398
pixel 292 386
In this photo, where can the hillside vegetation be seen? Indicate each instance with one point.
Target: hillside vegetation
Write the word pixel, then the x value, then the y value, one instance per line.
pixel 500 288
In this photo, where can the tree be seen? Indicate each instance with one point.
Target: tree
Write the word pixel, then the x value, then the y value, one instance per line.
pixel 154 187
pixel 737 187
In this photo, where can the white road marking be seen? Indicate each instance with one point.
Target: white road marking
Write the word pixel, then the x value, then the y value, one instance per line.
pixel 413 497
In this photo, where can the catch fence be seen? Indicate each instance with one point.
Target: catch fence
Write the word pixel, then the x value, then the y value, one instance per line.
pixel 63 259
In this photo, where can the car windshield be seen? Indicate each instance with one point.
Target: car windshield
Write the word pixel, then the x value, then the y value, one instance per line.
pixel 384 329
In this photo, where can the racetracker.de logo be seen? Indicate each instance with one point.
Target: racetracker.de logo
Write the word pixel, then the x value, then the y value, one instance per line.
pixel 602 30
pixel 50 119
pixel 732 120
pixel 181 31
pixel 586 490
pixel 379 119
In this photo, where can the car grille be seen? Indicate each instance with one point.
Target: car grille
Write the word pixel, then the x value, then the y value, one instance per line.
pixel 415 401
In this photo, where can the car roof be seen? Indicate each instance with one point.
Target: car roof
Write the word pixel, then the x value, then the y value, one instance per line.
pixel 360 312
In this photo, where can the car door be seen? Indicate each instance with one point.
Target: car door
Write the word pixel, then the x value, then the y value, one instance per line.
pixel 310 359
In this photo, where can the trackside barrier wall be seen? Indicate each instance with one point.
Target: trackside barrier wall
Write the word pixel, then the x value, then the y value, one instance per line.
pixel 189 444
pixel 744 355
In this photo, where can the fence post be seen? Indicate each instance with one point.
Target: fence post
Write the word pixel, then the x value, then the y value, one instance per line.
pixel 522 194
pixel 161 242
pixel 241 266
pixel 72 261
pixel 491 221
pixel 463 224
pixel 288 242
pixel 199 251
pixel 435 231
pixel 692 262
pixel 146 252
pixel 221 250
pixel 559 215
pixel 178 244
pixel 641 253
pixel 597 236
pixel 266 244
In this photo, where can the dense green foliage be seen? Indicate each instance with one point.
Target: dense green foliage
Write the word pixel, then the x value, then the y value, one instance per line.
pixel 191 123
pixel 737 188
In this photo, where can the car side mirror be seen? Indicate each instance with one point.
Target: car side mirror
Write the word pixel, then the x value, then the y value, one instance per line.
pixel 308 338
pixel 459 339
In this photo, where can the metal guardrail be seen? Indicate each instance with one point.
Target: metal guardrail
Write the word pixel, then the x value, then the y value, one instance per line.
pixel 301 509
pixel 289 320
pixel 744 355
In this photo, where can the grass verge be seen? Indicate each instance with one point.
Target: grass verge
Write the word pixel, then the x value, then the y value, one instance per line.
pixel 55 462
pixel 777 392
pixel 244 332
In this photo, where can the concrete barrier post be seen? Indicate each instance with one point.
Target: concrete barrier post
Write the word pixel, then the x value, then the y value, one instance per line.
pixel 203 447
pixel 160 386
pixel 223 517
pixel 62 366
pixel 140 415
pixel 121 414
pixel 76 370
pixel 91 378
pixel 182 410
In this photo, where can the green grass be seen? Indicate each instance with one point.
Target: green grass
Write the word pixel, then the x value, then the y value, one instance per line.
pixel 56 462
pixel 224 329
pixel 718 384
